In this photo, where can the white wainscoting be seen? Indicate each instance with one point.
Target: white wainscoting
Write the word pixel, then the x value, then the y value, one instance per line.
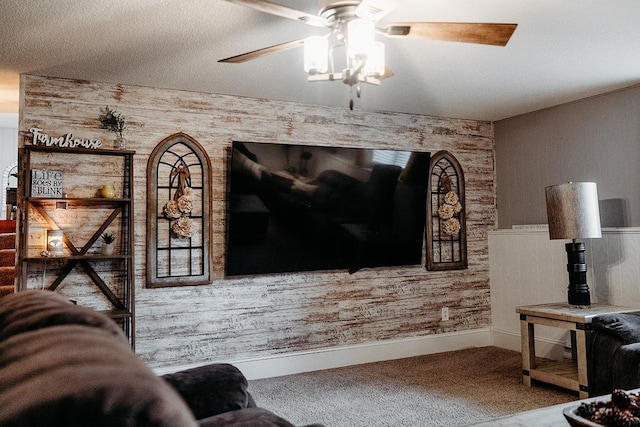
pixel 526 267
pixel 293 363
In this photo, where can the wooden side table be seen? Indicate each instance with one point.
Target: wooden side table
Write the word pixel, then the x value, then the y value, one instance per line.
pixel 569 374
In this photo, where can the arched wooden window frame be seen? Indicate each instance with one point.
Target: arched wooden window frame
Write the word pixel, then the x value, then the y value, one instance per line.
pixel 154 214
pixel 444 251
pixel 7 180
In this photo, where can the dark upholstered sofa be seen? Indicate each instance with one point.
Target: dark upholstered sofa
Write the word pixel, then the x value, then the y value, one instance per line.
pixel 614 353
pixel 65 365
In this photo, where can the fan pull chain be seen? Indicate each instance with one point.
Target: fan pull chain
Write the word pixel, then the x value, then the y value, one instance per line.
pixel 358 93
pixel 351 98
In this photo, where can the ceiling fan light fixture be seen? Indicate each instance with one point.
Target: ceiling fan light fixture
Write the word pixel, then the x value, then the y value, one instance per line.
pixel 316 55
pixel 361 35
pixel 365 58
pixel 375 66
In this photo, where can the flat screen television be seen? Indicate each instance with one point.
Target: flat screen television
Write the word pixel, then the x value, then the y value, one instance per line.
pixel 307 208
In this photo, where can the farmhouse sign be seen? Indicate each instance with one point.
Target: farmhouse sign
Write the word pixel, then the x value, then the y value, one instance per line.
pixel 64 141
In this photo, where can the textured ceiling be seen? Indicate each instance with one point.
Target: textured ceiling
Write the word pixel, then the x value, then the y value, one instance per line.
pixel 561 51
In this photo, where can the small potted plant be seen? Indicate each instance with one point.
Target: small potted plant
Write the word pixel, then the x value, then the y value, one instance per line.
pixel 107 243
pixel 113 121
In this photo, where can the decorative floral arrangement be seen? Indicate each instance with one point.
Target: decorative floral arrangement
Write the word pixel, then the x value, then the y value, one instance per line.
pixel 446 211
pixel 451 227
pixel 112 121
pixel 185 202
pixel 170 210
pixel 178 212
pixel 183 227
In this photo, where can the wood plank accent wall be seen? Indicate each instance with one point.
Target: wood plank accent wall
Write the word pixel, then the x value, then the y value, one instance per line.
pixel 253 317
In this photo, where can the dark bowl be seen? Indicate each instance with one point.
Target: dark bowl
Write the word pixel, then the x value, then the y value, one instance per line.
pixel 571 414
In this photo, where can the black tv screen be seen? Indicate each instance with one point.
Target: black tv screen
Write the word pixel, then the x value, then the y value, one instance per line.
pixel 308 208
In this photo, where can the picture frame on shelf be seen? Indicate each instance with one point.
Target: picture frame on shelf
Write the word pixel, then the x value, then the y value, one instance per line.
pixel 46 183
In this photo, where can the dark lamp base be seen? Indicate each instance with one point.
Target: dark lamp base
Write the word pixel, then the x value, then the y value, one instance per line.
pixel 578 290
pixel 579 299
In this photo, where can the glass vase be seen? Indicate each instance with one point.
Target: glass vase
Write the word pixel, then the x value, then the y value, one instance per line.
pixel 120 143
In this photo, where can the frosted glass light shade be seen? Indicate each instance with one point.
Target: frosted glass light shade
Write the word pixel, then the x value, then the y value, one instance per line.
pixel 572 211
pixel 360 38
pixel 375 64
pixel 316 55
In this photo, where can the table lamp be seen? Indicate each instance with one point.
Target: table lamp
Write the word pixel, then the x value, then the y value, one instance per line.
pixel 572 213
pixel 55 245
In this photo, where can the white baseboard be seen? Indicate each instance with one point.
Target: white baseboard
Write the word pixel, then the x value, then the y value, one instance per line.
pixel 506 339
pixel 294 363
pixel 546 348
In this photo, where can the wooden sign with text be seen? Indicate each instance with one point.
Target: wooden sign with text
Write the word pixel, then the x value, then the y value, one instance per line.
pixel 64 141
pixel 45 183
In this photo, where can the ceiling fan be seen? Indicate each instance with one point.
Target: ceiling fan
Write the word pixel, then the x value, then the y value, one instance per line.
pixel 363 64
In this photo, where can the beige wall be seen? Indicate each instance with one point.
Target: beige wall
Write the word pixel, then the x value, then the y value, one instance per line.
pixel 594 139
pixel 254 317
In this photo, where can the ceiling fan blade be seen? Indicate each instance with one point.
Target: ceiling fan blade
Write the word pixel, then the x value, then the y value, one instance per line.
pixel 480 33
pixel 263 52
pixel 376 9
pixel 388 72
pixel 285 12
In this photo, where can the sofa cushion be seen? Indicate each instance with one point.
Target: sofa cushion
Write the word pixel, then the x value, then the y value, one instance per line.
pixel 31 310
pixel 251 417
pixel 211 389
pixel 625 369
pixel 57 373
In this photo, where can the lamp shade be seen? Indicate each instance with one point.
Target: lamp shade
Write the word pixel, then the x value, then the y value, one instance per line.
pixel 572 211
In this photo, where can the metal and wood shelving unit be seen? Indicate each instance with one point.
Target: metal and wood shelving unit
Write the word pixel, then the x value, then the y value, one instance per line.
pixel 111 275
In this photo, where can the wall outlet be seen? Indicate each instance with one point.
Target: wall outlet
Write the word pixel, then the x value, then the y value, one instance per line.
pixel 445 313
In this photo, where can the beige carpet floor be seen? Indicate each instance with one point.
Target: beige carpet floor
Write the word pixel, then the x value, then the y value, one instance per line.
pixel 445 389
